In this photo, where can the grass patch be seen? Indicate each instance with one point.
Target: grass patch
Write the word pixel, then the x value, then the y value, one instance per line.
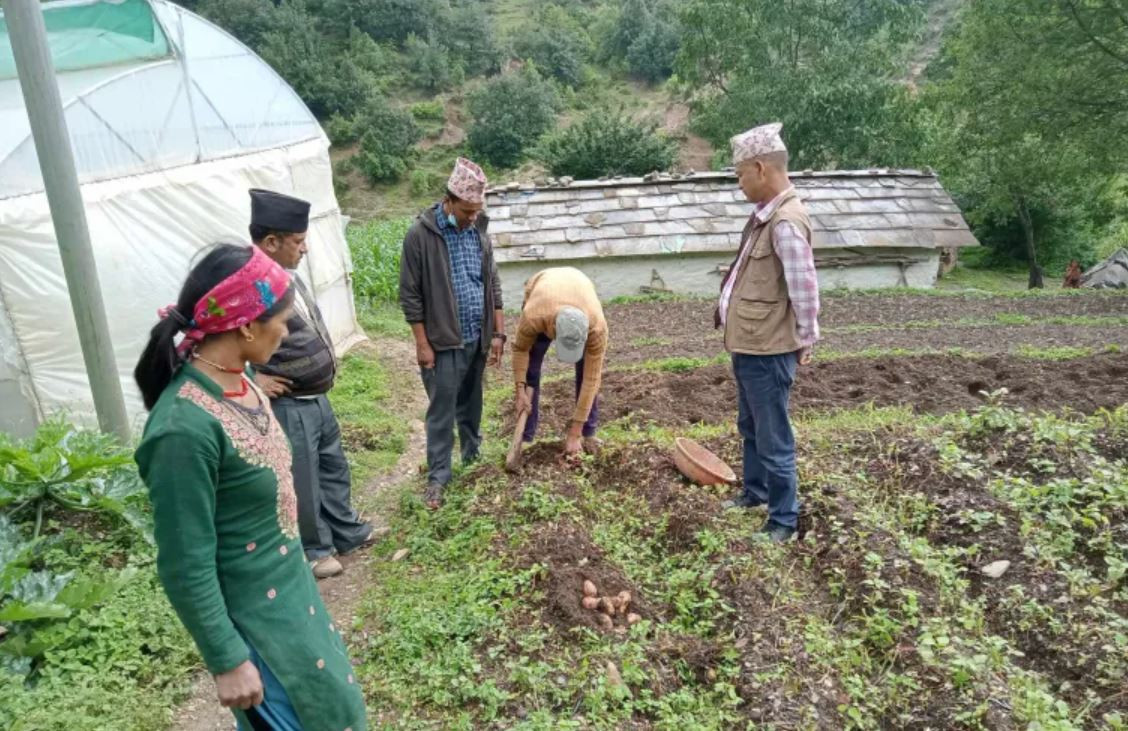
pixel 382 319
pixel 647 342
pixel 373 430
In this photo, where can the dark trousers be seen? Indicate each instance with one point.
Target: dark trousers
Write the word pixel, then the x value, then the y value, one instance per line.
pixel 533 379
pixel 770 476
pixel 326 519
pixel 454 387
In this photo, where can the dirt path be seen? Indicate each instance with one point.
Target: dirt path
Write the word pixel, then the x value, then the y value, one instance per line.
pixel 341 593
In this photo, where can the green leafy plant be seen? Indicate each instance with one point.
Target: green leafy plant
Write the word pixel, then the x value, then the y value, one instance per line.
pixel 70 468
pixel 510 112
pixel 604 143
pixel 387 141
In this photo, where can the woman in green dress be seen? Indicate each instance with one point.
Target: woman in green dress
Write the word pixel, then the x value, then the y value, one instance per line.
pixel 217 466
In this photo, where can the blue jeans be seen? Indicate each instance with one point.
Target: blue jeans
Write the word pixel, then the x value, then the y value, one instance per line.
pixel 770 476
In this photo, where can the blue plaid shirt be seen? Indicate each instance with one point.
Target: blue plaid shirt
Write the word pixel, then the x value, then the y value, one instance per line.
pixel 465 249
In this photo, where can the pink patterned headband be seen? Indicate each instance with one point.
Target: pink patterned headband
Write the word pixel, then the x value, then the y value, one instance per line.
pixel 236 301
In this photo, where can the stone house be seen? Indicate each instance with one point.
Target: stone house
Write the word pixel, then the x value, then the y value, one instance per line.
pixel 679 233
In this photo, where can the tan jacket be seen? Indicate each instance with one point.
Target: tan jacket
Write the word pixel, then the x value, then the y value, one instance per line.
pixel 760 319
pixel 545 293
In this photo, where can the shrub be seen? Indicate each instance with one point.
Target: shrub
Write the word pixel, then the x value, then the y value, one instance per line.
pixel 432 111
pixel 510 112
pixel 425 182
pixel 387 142
pixel 341 130
pixel 604 143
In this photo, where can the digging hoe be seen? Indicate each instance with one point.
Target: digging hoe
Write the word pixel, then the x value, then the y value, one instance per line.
pixel 513 459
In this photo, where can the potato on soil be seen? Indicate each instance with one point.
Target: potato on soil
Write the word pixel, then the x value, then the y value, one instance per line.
pixel 590 602
pixel 590 588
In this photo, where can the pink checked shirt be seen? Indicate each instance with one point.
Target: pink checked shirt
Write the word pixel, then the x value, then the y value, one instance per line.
pixel 798 261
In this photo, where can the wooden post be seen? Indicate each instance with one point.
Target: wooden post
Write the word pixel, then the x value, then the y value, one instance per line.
pixel 28 35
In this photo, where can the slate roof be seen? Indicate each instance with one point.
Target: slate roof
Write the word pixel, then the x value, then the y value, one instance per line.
pixel 705 212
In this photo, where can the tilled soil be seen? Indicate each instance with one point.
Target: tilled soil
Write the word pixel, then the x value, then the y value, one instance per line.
pixel 651 330
pixel 926 383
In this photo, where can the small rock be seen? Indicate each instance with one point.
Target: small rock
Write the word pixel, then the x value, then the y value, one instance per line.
pixel 995 569
pixel 512 186
pixel 566 180
pixel 401 554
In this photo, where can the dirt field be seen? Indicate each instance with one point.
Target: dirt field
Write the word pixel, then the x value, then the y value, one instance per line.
pixel 957 573
pixel 648 330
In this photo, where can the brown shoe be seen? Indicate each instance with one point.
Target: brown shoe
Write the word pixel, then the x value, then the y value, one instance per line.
pixel 323 568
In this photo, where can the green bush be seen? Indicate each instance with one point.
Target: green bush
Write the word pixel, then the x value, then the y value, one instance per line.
pixel 387 142
pixel 510 112
pixel 652 53
pixel 426 182
pixel 555 51
pixel 432 111
pixel 605 143
pixel 430 65
pixel 376 247
pixel 341 130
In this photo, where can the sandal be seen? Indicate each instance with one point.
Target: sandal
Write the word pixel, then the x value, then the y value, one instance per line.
pixel 433 496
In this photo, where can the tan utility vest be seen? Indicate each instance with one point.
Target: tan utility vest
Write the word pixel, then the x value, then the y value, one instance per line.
pixel 760 319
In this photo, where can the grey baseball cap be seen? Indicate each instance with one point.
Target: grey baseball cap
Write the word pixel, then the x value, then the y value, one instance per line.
pixel 571 334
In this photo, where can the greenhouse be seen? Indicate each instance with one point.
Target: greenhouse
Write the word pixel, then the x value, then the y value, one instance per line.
pixel 171 120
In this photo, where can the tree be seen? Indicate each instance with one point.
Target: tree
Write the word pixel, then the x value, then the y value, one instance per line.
pixel 828 69
pixel 388 20
pixel 510 112
pixel 606 143
pixel 1022 135
pixel 646 36
pixel 430 64
pixel 555 51
pixel 387 141
pixel 474 45
pixel 327 80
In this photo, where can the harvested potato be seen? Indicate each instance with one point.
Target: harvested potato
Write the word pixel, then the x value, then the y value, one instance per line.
pixel 633 619
pixel 606 606
pixel 590 602
pixel 606 623
pixel 590 588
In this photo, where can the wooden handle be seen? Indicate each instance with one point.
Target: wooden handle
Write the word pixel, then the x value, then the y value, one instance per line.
pixel 512 460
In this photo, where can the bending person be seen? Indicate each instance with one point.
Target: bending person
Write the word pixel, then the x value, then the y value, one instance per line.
pixel 561 305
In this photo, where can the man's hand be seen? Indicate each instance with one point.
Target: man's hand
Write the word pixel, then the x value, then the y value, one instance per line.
pixel 805 355
pixel 521 401
pixel 497 347
pixel 240 688
pixel 273 386
pixel 424 354
pixel 573 440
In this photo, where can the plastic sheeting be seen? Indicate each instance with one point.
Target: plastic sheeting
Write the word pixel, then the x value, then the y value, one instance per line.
pixel 212 98
pixel 88 34
pixel 166 152
pixel 145 232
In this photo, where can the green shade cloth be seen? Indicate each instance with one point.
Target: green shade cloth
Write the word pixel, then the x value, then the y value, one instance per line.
pixel 90 35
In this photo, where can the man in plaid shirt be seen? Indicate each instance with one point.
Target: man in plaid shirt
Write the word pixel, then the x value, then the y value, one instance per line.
pixel 769 308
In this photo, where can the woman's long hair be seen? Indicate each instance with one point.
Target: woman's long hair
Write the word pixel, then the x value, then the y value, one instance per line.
pixel 160 361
